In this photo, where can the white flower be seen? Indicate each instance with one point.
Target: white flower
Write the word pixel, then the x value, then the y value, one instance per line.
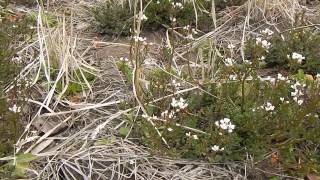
pixel 177 5
pixel 268 78
pixel 233 77
pixel 171 115
pixel 298 57
pixel 247 62
pixel 139 39
pixel 181 104
pixel 195 137
pixel 164 113
pixel 258 40
pixel 231 46
pixel 143 17
pixel 229 62
pixel 186 27
pixel 173 19
pixel 266 44
pixel 215 148
pixel 225 124
pixel 262 58
pixel 190 36
pixel 188 134
pixel 280 77
pixel 300 101
pixel 267 31
pixel 170 129
pixel 269 107
pixel 15 109
pixel 194 31
pixel 282 99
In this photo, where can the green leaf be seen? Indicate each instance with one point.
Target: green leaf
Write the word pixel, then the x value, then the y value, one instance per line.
pixel 23 158
pixel 124 131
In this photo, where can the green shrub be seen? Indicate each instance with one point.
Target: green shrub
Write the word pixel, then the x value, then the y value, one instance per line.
pixel 236 115
pixel 115 19
pixel 11 32
pixel 291 51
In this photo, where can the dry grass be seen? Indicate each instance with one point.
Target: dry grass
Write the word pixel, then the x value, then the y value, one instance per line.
pixel 90 148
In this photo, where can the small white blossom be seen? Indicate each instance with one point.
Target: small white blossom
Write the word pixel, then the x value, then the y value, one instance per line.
pixel 195 137
pixel 264 43
pixel 170 129
pixel 171 115
pixel 164 113
pixel 281 77
pixel 229 62
pixel 231 46
pixel 247 62
pixel 173 19
pixel 181 103
pixel 194 31
pixel 143 17
pixel 215 148
pixel 267 31
pixel 225 124
pixel 233 77
pixel 139 39
pixel 269 107
pixel 15 109
pixel 298 57
pixel 262 58
pixel 188 134
pixel 186 27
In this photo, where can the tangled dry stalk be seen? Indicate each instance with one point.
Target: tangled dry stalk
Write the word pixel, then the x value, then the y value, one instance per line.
pixel 90 147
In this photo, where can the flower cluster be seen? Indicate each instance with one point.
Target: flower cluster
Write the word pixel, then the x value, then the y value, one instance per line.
pixel 139 39
pixel 143 17
pixel 175 83
pixel 267 31
pixel 177 5
pixel 281 77
pixel 264 43
pixel 296 56
pixel 229 62
pixel 216 148
pixel 267 78
pixel 195 137
pixel 297 92
pixel 179 104
pixel 231 46
pixel 268 107
pixel 167 114
pixel 15 109
pixel 225 124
